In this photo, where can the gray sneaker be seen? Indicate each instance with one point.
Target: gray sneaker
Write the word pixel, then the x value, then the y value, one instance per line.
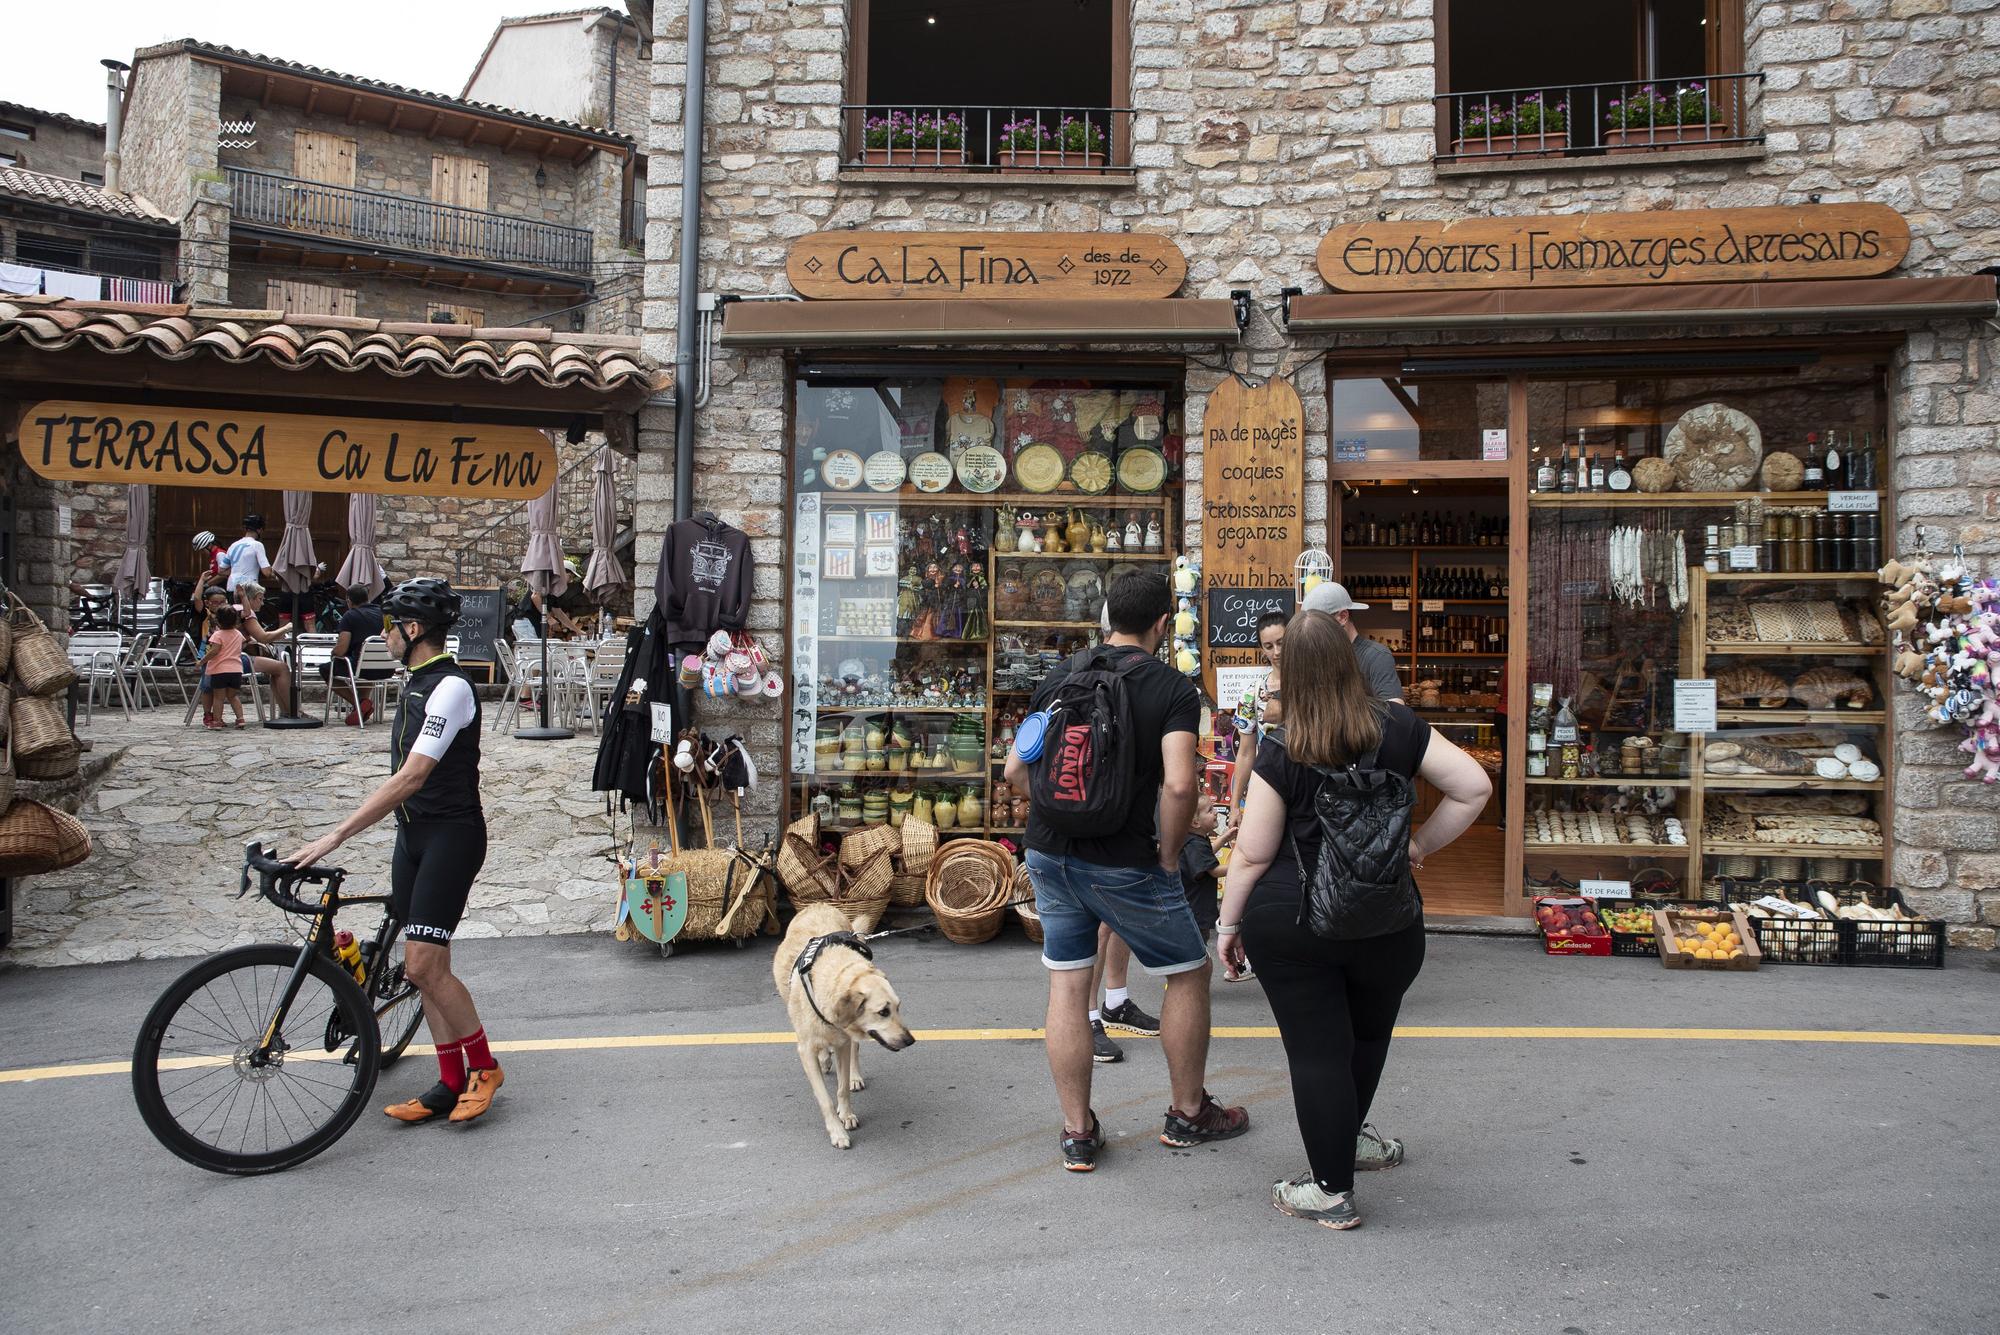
pixel 1102 1050
pixel 1373 1150
pixel 1302 1198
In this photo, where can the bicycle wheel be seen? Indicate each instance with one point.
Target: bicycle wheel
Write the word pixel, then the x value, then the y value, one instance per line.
pixel 198 1090
pixel 398 1009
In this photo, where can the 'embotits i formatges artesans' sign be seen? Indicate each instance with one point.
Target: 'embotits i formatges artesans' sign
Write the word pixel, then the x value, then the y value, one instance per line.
pixel 896 265
pixel 1606 249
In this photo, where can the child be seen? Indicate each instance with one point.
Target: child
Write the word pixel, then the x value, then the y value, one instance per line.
pixel 1198 877
pixel 222 667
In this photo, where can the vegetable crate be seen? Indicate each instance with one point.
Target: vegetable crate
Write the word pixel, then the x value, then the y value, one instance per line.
pixel 1671 925
pixel 1637 941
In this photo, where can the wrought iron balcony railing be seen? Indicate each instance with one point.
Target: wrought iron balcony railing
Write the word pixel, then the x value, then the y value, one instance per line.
pixel 988 139
pixel 401 222
pixel 1575 120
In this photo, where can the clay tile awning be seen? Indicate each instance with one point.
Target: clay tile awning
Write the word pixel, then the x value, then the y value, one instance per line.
pixel 791 324
pixel 1704 303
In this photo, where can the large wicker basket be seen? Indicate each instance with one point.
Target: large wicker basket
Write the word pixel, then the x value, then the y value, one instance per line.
pixel 967 890
pixel 809 876
pixel 35 839
pixel 1022 891
pixel 730 895
pixel 39 665
pixel 913 863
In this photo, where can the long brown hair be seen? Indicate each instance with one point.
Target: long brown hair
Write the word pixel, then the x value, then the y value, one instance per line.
pixel 1332 718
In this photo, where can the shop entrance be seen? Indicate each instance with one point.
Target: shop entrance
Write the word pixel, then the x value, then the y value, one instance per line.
pixel 1429 557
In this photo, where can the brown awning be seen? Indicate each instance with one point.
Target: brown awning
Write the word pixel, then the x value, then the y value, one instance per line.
pixel 1831 299
pixel 791 324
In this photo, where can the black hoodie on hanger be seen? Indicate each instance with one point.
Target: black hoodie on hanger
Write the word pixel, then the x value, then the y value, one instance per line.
pixel 704 580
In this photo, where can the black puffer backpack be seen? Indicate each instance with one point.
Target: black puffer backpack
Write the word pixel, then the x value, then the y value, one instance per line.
pixel 1362 886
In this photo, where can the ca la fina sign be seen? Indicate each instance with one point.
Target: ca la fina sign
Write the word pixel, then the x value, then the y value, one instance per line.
pixel 67 441
pixel 882 266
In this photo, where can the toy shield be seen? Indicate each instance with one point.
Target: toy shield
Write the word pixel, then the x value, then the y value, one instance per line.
pixel 658 908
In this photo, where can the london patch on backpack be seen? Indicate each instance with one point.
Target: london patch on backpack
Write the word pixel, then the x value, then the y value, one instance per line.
pixel 1081 784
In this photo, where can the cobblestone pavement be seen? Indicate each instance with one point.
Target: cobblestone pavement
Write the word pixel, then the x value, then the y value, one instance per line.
pixel 172 808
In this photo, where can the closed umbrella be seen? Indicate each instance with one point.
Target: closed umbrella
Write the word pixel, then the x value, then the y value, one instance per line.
pixel 134 575
pixel 543 565
pixel 295 565
pixel 605 576
pixel 361 566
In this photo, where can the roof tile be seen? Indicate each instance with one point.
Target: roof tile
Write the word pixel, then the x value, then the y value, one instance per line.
pixel 76 195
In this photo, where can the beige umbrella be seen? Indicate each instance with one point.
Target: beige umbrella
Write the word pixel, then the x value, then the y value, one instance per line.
pixel 295 565
pixel 543 565
pixel 134 575
pixel 361 565
pixel 605 576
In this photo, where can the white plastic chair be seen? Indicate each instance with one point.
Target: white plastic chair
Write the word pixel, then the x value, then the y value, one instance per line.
pixel 375 674
pixel 155 663
pixel 99 656
pixel 524 676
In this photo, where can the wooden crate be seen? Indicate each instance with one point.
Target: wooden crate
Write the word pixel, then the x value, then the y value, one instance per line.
pixel 1666 930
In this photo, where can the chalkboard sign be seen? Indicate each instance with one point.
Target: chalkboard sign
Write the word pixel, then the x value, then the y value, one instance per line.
pixel 479 615
pixel 1233 614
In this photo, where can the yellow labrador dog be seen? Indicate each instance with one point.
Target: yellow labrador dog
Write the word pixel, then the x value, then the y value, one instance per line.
pixel 838 1000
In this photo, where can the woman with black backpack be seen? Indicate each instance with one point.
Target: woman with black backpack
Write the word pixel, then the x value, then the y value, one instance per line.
pixel 1320 898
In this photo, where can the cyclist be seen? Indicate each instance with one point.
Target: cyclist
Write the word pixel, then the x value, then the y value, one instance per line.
pixel 440 842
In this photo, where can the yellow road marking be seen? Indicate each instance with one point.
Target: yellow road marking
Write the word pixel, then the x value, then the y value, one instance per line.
pixel 603 1042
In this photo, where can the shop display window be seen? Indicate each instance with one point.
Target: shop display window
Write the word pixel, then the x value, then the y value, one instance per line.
pixel 952 538
pixel 1410 419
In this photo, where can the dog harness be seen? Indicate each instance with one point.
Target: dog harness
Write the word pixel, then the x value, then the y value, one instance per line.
pixel 810 956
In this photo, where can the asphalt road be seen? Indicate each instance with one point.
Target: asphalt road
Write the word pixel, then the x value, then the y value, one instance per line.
pixel 1571 1186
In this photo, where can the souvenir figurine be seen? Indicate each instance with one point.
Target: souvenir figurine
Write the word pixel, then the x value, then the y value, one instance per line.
pixel 1132 535
pixel 1185 576
pixel 1026 541
pixel 908 589
pixel 1154 541
pixel 975 617
pixel 1003 530
pixel 1052 533
pixel 1078 532
pixel 1112 544
pixel 1097 534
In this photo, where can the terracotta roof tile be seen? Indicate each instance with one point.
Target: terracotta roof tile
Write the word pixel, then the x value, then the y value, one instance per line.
pixel 76 195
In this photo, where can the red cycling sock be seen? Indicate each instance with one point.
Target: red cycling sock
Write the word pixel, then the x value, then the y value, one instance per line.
pixel 451 1064
pixel 478 1057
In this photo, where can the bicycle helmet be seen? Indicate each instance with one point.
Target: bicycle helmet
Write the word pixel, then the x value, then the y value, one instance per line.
pixel 204 540
pixel 429 601
pixel 253 522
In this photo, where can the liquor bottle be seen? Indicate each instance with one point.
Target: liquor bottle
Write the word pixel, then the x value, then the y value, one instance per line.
pixel 1620 477
pixel 1545 472
pixel 1815 475
pixel 1347 534
pixel 1861 474
pixel 1374 538
pixel 1597 472
pixel 1835 468
pixel 1566 476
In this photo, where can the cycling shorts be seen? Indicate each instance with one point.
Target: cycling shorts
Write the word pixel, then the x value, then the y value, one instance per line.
pixel 431 876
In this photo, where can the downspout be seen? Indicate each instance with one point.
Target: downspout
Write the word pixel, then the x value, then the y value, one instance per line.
pixel 114 120
pixel 688 323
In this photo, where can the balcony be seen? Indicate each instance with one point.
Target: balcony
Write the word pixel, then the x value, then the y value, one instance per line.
pixel 399 222
pixel 1598 120
pixel 988 140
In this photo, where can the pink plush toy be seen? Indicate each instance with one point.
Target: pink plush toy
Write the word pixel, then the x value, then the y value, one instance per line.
pixel 1984 745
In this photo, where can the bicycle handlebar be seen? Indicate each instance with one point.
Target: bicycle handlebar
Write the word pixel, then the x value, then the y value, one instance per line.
pixel 276 878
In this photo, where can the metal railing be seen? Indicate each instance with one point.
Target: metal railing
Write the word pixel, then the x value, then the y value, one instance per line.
pixel 405 223
pixel 996 139
pixel 1575 120
pixel 492 558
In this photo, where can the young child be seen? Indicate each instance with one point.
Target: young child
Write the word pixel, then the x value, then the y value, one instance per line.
pixel 1199 868
pixel 222 666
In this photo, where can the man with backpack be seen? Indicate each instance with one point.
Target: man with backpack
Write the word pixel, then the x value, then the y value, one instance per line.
pixel 1110 770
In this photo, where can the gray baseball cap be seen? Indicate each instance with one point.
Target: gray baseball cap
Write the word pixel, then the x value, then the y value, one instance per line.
pixel 1332 598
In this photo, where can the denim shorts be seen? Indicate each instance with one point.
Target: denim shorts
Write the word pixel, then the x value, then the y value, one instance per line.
pixel 1145 906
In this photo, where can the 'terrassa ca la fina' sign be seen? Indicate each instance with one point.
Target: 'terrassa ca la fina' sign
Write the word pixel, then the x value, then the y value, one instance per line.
pixel 893 265
pixel 190 447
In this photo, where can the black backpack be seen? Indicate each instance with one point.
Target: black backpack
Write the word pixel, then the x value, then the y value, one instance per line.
pixel 1362 886
pixel 1081 784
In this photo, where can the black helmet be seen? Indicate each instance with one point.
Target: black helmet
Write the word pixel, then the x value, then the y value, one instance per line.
pixel 429 601
pixel 253 521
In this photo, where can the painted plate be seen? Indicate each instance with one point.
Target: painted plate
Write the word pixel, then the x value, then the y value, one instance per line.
pixel 843 470
pixel 931 471
pixel 883 471
pixel 1091 471
pixel 982 468
pixel 1038 468
pixel 1141 470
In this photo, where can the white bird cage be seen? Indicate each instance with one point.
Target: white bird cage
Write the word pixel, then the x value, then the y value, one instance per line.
pixel 1311 562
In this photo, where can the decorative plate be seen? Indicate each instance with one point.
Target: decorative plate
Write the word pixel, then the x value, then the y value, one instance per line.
pixel 842 470
pixel 883 471
pixel 1142 470
pixel 931 471
pixel 1038 468
pixel 1091 471
pixel 982 468
pixel 1714 448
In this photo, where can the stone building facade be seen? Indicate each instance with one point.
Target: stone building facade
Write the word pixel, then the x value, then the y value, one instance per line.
pixel 1259 126
pixel 52 143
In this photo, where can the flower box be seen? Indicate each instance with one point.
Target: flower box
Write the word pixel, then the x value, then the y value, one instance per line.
pixel 1506 147
pixel 1050 159
pixel 1639 138
pixel 913 157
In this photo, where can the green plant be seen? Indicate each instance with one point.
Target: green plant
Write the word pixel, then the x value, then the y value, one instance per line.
pixel 1686 105
pixel 1023 136
pixel 1080 136
pixel 915 130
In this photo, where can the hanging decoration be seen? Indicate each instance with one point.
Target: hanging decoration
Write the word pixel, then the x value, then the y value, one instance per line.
pixel 1947 628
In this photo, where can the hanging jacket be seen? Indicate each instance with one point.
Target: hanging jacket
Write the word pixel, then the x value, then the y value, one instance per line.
pixel 626 752
pixel 703 583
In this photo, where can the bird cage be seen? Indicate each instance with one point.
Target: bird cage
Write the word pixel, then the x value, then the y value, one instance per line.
pixel 1314 567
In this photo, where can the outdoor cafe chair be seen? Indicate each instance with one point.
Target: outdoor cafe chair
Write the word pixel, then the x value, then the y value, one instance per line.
pixel 376 674
pixel 100 658
pixel 156 663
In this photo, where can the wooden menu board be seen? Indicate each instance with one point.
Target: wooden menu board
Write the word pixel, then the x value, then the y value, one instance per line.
pixel 893 265
pixel 1252 500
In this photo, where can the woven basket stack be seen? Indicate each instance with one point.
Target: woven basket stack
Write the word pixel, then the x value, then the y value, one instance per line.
pixel 968 890
pixel 38 744
pixel 1023 895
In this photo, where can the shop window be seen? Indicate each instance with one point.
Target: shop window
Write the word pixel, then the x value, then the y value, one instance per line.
pixel 1031 86
pixel 952 538
pixel 1399 419
pixel 1592 77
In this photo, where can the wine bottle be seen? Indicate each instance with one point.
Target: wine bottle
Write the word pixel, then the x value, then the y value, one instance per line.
pixel 1597 472
pixel 1566 476
pixel 1835 466
pixel 1545 472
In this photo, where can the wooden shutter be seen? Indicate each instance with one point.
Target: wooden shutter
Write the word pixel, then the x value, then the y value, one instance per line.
pixel 325 159
pixel 309 298
pixel 462 183
pixel 442 314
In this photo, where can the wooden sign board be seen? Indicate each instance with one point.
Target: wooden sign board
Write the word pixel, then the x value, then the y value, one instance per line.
pixel 1233 614
pixel 1603 249
pixel 874 266
pixel 1253 473
pixel 188 447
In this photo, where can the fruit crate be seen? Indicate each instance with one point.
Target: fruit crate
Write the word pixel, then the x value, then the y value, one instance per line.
pixel 1645 945
pixel 1557 942
pixel 1667 925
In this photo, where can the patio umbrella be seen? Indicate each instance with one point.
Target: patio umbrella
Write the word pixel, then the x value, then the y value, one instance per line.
pixel 134 575
pixel 605 576
pixel 295 565
pixel 361 565
pixel 543 565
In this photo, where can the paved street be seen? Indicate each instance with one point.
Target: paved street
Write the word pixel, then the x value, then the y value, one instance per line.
pixel 1555 1184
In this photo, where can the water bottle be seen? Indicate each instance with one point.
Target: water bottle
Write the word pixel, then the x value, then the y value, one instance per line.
pixel 349 953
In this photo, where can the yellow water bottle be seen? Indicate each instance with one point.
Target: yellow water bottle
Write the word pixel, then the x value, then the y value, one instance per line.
pixel 349 953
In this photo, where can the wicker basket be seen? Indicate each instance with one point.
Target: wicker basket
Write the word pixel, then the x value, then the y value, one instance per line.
pixel 6 706
pixel 1022 891
pixel 35 839
pixel 39 665
pixel 7 782
pixel 967 890
pixel 6 644
pixel 61 763
pixel 809 876
pixel 38 727
pixel 913 865
pixel 864 890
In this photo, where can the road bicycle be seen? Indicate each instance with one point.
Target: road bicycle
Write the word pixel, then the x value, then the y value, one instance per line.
pixel 260 1057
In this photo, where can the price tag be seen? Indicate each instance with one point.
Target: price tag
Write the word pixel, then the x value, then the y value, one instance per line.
pixel 1432 605
pixel 1605 889
pixel 1399 604
pixel 1694 705
pixel 1350 451
pixel 1493 444
pixel 1743 558
pixel 1853 502
pixel 663 723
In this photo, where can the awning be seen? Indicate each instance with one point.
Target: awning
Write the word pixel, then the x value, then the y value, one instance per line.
pixel 1831 299
pixel 790 324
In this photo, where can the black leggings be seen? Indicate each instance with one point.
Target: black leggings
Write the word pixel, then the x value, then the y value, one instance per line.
pixel 1335 1003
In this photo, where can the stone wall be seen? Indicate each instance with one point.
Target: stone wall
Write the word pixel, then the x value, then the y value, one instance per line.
pixel 168 145
pixel 62 148
pixel 388 297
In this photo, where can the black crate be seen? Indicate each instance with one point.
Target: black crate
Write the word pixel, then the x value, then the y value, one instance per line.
pixel 1800 940
pixel 1915 944
pixel 1644 945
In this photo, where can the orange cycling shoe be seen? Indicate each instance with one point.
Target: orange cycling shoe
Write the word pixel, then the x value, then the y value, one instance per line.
pixel 478 1096
pixel 433 1103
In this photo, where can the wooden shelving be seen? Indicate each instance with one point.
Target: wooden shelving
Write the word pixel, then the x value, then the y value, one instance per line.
pixel 1628 781
pixel 1711 499
pixel 1790 648
pixel 902 709
pixel 1755 850
pixel 1856 717
pixel 1792 577
pixel 1051 625
pixel 1083 556
pixel 862 496
pixel 892 639
pixel 1745 783
pixel 1612 850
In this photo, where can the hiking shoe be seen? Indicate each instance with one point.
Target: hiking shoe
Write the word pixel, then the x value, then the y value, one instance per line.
pixel 480 1087
pixel 433 1103
pixel 1102 1050
pixel 1079 1152
pixel 1127 1016
pixel 1211 1122
pixel 1373 1150
pixel 1303 1198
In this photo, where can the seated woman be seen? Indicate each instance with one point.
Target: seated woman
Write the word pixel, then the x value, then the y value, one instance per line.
pixel 254 633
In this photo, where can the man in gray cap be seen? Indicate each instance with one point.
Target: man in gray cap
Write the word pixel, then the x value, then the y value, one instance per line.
pixel 1378 665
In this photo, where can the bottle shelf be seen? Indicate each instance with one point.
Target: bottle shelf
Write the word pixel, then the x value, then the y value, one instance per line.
pixel 1711 499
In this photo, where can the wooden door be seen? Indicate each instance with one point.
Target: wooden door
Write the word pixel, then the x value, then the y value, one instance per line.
pixel 462 183
pixel 181 512
pixel 327 159
pixel 309 298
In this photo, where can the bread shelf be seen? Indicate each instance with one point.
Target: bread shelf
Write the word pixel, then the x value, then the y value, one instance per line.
pixel 1857 717
pixel 1790 648
pixel 1612 850
pixel 1759 850
pixel 1743 783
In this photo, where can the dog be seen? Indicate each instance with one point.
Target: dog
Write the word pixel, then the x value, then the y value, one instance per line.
pixel 840 1000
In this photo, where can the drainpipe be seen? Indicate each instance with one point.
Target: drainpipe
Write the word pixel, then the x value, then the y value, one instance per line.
pixel 688 322
pixel 114 119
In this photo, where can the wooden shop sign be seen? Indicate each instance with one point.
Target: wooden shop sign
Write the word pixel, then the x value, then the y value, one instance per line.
pixel 1253 472
pixel 191 447
pixel 1604 249
pixel 894 265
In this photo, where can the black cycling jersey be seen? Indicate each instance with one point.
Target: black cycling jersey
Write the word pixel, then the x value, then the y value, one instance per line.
pixel 433 710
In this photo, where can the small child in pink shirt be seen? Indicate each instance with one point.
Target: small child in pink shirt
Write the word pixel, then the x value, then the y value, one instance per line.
pixel 223 667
